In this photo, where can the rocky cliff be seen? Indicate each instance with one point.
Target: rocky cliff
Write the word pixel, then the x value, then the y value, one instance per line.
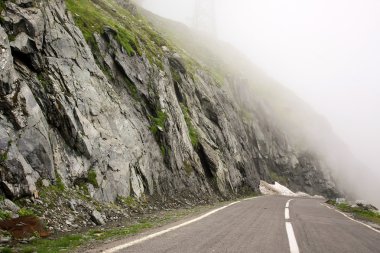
pixel 92 95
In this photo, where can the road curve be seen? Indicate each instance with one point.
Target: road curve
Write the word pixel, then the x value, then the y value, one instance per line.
pixel 258 225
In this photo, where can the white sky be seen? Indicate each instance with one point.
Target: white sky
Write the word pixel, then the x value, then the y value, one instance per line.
pixel 327 51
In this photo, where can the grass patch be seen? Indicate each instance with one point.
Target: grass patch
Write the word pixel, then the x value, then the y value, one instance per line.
pixel 91 19
pixel 25 212
pixel 158 122
pixel 91 177
pixel 4 215
pixel 134 33
pixel 193 133
pixel 59 185
pixel 360 212
pixel 357 211
pixel 128 201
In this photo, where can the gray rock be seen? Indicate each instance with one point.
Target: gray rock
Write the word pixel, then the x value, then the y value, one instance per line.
pixel 73 204
pixel 45 183
pixel 9 205
pixel 97 218
pixel 23 44
pixel 5 239
pixel 59 113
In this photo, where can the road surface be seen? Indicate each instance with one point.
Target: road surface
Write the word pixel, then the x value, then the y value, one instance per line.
pixel 263 224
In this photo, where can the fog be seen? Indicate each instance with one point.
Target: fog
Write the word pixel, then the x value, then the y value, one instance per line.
pixel 327 52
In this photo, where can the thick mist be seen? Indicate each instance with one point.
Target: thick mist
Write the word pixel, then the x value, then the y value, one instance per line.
pixel 327 53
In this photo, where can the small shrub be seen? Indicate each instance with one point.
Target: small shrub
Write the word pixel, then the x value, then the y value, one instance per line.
pixel 158 122
pixel 91 177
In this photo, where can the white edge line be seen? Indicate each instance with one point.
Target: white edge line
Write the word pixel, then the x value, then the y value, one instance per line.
pixel 348 217
pixel 129 244
pixel 291 238
pixel 253 197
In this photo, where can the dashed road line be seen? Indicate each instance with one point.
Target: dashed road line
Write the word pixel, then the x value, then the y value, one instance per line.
pixel 287 216
pixel 289 230
pixel 292 238
pixel 287 203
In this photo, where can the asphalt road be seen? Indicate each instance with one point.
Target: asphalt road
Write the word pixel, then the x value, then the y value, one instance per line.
pixel 258 225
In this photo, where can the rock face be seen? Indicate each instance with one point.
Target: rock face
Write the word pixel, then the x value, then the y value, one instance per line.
pixel 68 111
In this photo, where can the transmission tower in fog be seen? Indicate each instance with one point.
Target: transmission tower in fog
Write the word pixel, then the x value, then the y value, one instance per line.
pixel 204 16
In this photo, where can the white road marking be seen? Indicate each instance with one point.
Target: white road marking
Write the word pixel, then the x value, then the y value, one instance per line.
pixel 129 244
pixel 292 238
pixel 253 197
pixel 326 206
pixel 287 216
pixel 348 217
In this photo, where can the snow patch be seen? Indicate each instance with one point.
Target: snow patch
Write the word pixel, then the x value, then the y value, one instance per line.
pixel 279 189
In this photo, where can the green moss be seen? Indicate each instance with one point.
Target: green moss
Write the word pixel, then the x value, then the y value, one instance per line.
pixel 158 122
pixel 193 133
pixel 91 177
pixel 26 212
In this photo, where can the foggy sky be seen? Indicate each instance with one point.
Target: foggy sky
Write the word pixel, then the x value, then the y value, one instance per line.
pixel 326 51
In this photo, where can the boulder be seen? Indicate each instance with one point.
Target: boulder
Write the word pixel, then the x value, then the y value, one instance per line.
pixel 8 204
pixel 97 218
